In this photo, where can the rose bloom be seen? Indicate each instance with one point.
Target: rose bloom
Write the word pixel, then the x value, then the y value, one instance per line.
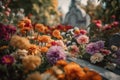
pixel 97 57
pixel 83 39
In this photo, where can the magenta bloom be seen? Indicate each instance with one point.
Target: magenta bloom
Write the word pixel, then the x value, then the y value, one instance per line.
pixel 55 53
pixel 7 59
pixel 100 44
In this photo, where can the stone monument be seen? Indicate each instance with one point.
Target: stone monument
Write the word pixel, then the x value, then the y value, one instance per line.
pixel 76 16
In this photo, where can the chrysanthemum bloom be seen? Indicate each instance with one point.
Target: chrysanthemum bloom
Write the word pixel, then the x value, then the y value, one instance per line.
pixel 33 49
pixel 97 57
pixel 83 39
pixel 100 44
pixel 73 72
pixel 20 53
pixel 40 27
pixel 43 49
pixel 31 62
pixel 34 76
pixel 92 48
pixel 45 38
pixel 61 63
pixel 56 33
pixel 114 48
pixel 55 53
pixel 92 75
pixel 7 59
pixel 19 42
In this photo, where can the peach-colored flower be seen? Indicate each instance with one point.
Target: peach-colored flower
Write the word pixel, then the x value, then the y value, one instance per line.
pixel 56 33
pixel 33 50
pixel 40 28
pixel 44 49
pixel 74 72
pixel 19 42
pixel 45 38
pixel 83 39
pixel 34 76
pixel 31 62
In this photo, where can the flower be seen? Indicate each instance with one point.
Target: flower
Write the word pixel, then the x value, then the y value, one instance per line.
pixel 74 50
pixel 91 48
pixel 83 39
pixel 105 51
pixel 44 49
pixel 16 42
pixel 34 76
pixel 114 48
pixel 61 63
pixel 97 57
pixel 92 75
pixel 56 33
pixel 55 53
pixel 60 43
pixel 40 27
pixel 73 72
pixel 100 44
pixel 94 47
pixel 7 59
pixel 31 62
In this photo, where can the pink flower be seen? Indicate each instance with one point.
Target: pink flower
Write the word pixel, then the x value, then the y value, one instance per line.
pixel 83 32
pixel 99 25
pixel 113 16
pixel 115 23
pixel 83 39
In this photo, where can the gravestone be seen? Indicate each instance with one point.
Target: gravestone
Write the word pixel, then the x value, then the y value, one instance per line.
pixel 115 40
pixel 76 16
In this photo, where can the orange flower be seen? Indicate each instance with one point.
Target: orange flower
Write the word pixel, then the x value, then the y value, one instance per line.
pixel 74 72
pixel 92 75
pixel 61 63
pixel 59 37
pixel 44 49
pixel 56 33
pixel 21 24
pixel 33 49
pixel 77 31
pixel 40 28
pixel 45 38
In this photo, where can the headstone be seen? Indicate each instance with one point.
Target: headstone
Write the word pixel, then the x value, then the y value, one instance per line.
pixel 115 40
pixel 76 16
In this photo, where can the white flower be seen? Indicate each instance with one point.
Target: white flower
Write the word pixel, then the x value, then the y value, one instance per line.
pixel 97 57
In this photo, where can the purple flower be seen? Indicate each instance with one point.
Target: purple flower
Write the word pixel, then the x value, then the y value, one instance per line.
pixel 92 48
pixel 100 44
pixel 55 53
pixel 7 59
